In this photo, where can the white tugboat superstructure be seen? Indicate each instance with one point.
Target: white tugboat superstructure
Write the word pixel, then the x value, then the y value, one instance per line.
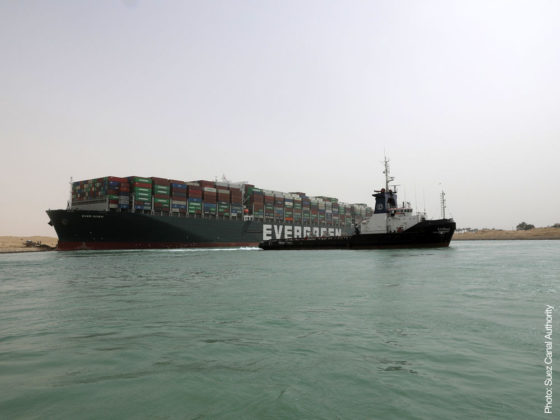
pixel 388 217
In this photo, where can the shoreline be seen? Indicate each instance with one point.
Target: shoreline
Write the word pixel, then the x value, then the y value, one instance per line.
pixel 509 235
pixel 17 244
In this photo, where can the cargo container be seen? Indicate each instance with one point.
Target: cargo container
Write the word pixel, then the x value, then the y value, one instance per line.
pixel 223 195
pixel 209 208
pixel 236 209
pixel 209 195
pixel 206 184
pixel 223 208
pixel 236 196
pixel 195 205
pixel 194 191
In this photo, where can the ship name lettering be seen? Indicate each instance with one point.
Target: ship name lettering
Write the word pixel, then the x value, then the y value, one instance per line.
pixel 289 232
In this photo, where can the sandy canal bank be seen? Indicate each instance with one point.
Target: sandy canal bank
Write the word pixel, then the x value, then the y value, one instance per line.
pixel 494 234
pixel 18 243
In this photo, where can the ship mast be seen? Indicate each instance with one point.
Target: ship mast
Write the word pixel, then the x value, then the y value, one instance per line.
pixel 388 178
pixel 443 205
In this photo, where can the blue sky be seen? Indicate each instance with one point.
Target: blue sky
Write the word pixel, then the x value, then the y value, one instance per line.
pixel 291 95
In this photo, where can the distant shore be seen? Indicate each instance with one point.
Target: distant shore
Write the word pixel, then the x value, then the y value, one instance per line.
pixel 18 244
pixel 496 234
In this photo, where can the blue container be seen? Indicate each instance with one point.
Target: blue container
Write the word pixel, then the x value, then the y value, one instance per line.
pixel 236 209
pixel 209 208
pixel 178 186
pixel 195 200
pixel 178 206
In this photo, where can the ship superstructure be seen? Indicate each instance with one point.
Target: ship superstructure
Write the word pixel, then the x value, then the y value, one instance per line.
pixel 388 216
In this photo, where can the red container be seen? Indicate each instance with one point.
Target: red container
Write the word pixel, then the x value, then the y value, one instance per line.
pixel 209 196
pixel 223 195
pixel 116 178
pixel 206 184
pixel 160 181
pixel 235 195
pixel 141 185
pixel 256 198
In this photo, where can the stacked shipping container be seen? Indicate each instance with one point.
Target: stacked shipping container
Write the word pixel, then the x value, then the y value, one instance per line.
pixel 220 199
pixel 278 205
pixel 236 200
pixel 112 190
pixel 209 205
pixel 257 203
pixel 161 191
pixel 195 197
pixel 140 192
pixel 268 204
pixel 223 199
pixel 178 191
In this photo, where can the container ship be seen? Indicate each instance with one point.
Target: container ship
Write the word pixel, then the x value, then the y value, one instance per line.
pixel 149 212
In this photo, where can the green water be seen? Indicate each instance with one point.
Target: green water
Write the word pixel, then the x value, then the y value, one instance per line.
pixel 247 334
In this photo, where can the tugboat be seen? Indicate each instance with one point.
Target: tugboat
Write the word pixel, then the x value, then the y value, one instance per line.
pixel 390 226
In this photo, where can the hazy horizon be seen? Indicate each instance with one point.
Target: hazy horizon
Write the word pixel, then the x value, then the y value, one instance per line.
pixel 290 96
